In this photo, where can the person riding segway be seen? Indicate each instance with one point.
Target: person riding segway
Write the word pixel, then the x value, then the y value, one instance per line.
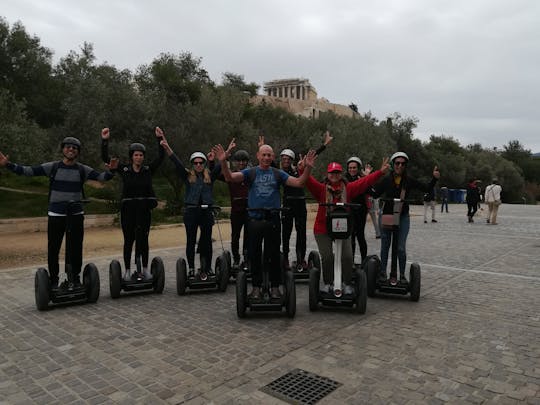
pixel 335 190
pixel 199 213
pixel 138 200
pixel 264 226
pixel 65 213
pixel 394 190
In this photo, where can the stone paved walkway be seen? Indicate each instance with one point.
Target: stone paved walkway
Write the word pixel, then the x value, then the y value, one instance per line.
pixel 474 336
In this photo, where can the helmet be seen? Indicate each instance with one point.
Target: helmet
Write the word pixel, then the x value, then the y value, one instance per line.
pixel 288 152
pixel 334 167
pixel 70 140
pixel 399 154
pixel 354 159
pixel 136 147
pixel 240 155
pixel 197 155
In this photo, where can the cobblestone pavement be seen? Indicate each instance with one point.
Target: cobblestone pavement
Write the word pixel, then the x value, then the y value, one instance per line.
pixel 474 336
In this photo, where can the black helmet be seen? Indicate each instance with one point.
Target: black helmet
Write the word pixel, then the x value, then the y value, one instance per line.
pixel 136 147
pixel 240 155
pixel 70 140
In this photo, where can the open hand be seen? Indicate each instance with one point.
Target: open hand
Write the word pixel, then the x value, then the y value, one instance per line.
pixel 4 160
pixel 436 173
pixel 219 152
pixel 385 165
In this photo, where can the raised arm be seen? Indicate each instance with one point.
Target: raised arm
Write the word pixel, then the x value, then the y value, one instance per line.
pixel 105 135
pixel 307 164
pixel 160 136
pixel 180 168
pixel 221 155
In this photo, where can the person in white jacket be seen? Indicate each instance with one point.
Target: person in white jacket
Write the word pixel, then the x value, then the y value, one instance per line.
pixel 492 197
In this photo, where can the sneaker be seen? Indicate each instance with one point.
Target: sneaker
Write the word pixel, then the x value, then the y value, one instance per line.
pixel 54 283
pixel 425 222
pixel 191 272
pixel 403 279
pixel 487 221
pixel 393 280
pixel 275 293
pixel 236 262
pixel 434 220
pixel 348 290
pixel 255 293
pixel 127 275
pixel 378 237
pixel 147 275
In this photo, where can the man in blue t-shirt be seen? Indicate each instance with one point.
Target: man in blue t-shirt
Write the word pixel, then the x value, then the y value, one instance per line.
pixel 264 182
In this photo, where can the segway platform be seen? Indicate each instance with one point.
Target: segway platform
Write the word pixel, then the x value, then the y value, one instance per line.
pixel 137 281
pixel 217 280
pixel 376 284
pixel 66 292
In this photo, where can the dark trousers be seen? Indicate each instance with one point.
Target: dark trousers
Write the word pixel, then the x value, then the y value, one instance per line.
pixel 195 218
pixel 239 220
pixel 136 227
pixel 359 231
pixel 471 209
pixel 267 232
pixel 56 228
pixel 444 203
pixel 297 213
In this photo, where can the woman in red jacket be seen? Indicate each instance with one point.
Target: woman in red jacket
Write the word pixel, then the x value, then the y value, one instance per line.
pixel 336 189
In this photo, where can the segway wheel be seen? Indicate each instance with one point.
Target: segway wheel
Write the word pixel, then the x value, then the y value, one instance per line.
pixel 158 275
pixel 115 278
pixel 290 304
pixel 41 289
pixel 241 294
pixel 414 282
pixel 314 260
pixel 372 270
pixel 91 282
pixel 361 291
pixel 314 280
pixel 222 271
pixel 181 276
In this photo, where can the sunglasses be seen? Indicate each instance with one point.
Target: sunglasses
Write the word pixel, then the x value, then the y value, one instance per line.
pixel 400 163
pixel 198 163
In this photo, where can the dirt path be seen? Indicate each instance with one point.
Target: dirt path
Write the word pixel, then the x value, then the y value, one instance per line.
pixel 30 249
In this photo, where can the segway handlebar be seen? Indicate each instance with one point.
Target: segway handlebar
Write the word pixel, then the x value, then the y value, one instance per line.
pixel 139 199
pixel 340 204
pixel 269 209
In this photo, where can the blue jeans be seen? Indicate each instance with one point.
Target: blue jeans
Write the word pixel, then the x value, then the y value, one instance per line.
pixel 386 239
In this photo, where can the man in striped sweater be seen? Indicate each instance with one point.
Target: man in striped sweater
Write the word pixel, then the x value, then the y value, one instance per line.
pixel 65 192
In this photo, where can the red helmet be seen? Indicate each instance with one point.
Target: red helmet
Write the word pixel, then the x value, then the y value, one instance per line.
pixel 334 167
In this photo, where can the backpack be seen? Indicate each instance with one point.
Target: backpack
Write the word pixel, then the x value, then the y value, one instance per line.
pixel 52 175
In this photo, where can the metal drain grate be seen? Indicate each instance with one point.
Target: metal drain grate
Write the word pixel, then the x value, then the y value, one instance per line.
pixel 300 387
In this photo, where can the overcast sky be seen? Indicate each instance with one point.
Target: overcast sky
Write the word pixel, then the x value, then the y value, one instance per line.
pixel 465 68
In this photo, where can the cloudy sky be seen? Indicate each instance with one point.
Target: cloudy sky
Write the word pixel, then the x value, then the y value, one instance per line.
pixel 468 69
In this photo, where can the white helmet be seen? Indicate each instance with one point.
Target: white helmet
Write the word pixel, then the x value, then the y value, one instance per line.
pixel 197 155
pixel 355 159
pixel 399 154
pixel 288 152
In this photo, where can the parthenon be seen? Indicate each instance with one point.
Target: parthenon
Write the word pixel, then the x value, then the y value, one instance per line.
pixel 299 97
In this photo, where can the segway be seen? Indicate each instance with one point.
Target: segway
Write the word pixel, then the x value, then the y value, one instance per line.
pixel 218 279
pixel 373 267
pixel 67 291
pixel 339 226
pixel 137 282
pixel 266 302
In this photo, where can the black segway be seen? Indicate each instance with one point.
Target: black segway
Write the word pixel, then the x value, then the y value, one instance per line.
pixel 386 285
pixel 137 282
pixel 266 302
pixel 339 226
pixel 67 291
pixel 218 279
